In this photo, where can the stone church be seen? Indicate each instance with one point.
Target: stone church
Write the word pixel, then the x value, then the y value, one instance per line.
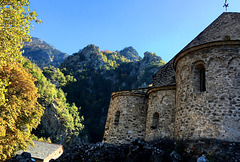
pixel 195 95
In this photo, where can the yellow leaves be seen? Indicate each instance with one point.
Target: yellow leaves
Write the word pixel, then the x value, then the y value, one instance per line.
pixel 3 90
pixel 2 131
pixel 2 128
pixel 21 111
pixel 42 139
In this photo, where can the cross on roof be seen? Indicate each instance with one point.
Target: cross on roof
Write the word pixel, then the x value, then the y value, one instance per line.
pixel 226 5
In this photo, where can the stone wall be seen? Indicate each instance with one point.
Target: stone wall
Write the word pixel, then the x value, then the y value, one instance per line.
pixel 126 117
pixel 160 115
pixel 215 112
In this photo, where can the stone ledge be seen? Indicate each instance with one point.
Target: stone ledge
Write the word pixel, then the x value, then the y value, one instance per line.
pixel 141 92
pixel 202 46
pixel 153 89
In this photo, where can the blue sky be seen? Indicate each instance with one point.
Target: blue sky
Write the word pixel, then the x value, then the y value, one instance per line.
pixel 162 27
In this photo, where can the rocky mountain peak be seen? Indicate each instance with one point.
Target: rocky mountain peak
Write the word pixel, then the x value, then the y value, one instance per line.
pixel 38 42
pixel 130 53
pixel 150 57
pixel 42 53
pixel 90 49
pixel 90 55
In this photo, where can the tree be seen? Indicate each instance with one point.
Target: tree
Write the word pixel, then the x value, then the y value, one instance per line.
pixel 19 110
pixel 67 114
pixel 15 22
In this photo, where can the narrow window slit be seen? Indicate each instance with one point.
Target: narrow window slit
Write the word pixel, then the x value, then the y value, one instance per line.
pixel 155 121
pixel 202 80
pixel 117 116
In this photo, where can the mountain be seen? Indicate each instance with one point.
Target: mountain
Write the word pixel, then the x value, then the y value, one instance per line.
pixel 98 74
pixel 43 54
pixel 130 53
pixel 89 76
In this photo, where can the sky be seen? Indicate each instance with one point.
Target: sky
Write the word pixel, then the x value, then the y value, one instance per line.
pixel 161 27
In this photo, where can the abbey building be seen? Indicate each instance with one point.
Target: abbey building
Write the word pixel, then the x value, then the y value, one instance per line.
pixel 195 95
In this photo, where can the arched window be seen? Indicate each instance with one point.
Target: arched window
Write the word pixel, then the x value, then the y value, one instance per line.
pixel 200 78
pixel 117 116
pixel 155 121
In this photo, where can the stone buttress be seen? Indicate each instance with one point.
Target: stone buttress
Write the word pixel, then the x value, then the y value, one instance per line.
pixel 160 114
pixel 126 117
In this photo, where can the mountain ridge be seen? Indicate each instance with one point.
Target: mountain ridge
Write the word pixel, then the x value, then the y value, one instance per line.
pixel 97 73
pixel 42 53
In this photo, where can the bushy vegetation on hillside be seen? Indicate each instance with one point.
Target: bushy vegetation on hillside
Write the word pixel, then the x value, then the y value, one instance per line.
pixel 57 77
pixel 49 94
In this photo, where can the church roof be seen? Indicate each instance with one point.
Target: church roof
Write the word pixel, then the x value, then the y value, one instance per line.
pixel 225 27
pixel 44 151
pixel 165 76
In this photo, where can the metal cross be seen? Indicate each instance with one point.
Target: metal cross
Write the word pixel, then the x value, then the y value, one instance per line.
pixel 226 5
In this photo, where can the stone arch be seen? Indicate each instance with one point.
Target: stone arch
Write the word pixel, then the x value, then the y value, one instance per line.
pixel 198 63
pixel 165 99
pixel 234 66
pixel 155 121
pixel 117 117
pixel 234 62
pixel 234 72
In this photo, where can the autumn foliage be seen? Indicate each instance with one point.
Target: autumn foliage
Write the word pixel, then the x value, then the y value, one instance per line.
pixel 21 112
pixel 19 109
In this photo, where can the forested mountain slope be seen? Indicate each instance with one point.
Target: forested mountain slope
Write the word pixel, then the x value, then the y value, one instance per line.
pixel 91 75
pixel 98 74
